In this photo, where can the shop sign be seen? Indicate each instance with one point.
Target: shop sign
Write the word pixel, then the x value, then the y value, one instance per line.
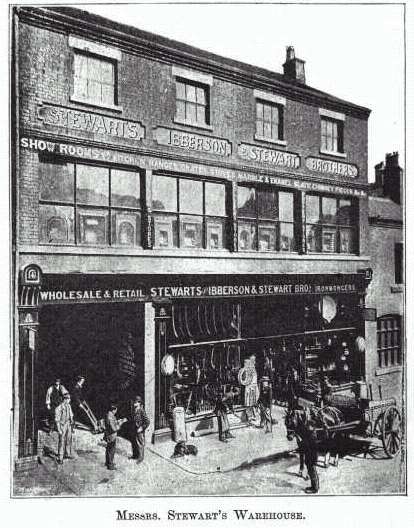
pixel 338 168
pixel 298 184
pixel 90 122
pixel 157 289
pixel 279 158
pixel 190 141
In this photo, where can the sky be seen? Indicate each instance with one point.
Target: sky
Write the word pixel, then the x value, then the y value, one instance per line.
pixel 355 52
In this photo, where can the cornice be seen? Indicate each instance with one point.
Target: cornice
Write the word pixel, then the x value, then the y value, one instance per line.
pixel 174 156
pixel 163 50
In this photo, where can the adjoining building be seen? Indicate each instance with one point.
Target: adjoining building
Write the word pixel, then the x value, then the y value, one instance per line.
pixel 386 292
pixel 175 213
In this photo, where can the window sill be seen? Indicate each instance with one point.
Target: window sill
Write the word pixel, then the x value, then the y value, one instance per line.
pixel 280 142
pixel 388 370
pixel 192 124
pixel 87 102
pixel 332 153
pixel 397 288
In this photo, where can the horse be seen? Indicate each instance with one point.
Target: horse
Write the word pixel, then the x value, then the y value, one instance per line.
pixel 304 424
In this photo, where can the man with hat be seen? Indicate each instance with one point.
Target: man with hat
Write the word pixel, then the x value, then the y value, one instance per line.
pixel 140 423
pixel 64 424
pixel 80 406
pixel 264 404
pixel 112 426
pixel 54 396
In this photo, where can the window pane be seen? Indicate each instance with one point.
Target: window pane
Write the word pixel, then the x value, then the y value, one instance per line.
pixel 346 240
pixel 181 110
pixel 313 238
pixel 247 236
pixel 201 115
pixel 180 90
pixel 126 228
pixel 56 224
pixel 259 110
pixel 267 113
pixel 267 237
pixel 329 210
pixel 92 227
pixel 259 127
pixel 80 65
pixel 275 132
pixel 287 237
pixel 191 112
pixel 107 72
pixel 95 91
pixel 267 129
pixel 191 93
pixel 328 240
pixel 246 200
pixel 215 233
pixel 191 229
pixel 267 204
pixel 56 182
pixel 80 87
pixel 201 96
pixel 344 215
pixel 164 193
pixel 191 196
pixel 312 209
pixel 215 199
pixel 92 185
pixel 275 115
pixel 286 206
pixel 108 94
pixel 125 189
pixel 165 231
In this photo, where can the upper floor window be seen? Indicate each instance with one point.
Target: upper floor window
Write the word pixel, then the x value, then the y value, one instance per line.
pixel 398 263
pixel 332 136
pixel 269 121
pixel 192 103
pixel 265 220
pixel 188 213
pixel 330 224
pixel 94 79
pixel 89 205
pixel 389 341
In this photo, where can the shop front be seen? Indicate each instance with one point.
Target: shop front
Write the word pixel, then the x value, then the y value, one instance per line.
pixel 180 340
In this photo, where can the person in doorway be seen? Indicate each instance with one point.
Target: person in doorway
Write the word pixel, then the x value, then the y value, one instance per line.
pixel 224 404
pixel 112 426
pixel 54 397
pixel 326 390
pixel 140 423
pixel 64 424
pixel 264 404
pixel 80 407
pixel 292 382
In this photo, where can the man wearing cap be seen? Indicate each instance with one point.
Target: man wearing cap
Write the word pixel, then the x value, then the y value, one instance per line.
pixel 264 404
pixel 112 426
pixel 80 406
pixel 140 423
pixel 64 424
pixel 54 396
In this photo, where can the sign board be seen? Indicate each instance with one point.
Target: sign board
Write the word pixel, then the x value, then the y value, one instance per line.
pixel 191 141
pixel 337 168
pixel 278 158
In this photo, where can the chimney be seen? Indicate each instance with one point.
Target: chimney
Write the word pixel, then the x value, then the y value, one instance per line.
pixel 392 177
pixel 294 69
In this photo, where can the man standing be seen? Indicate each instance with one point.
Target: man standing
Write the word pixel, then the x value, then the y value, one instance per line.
pixel 140 423
pixel 54 396
pixel 80 406
pixel 224 403
pixel 64 425
pixel 310 450
pixel 112 426
pixel 265 404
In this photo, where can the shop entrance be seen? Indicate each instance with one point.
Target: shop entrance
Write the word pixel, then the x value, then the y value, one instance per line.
pixel 104 343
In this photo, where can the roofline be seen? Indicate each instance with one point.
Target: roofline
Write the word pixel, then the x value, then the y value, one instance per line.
pixel 151 45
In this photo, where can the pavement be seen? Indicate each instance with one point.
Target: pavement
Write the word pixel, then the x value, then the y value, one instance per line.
pixel 252 462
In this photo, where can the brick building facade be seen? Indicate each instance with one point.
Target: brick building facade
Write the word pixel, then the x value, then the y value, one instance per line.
pixel 176 213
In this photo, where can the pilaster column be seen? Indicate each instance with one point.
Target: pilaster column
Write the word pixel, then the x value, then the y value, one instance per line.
pixel 147 238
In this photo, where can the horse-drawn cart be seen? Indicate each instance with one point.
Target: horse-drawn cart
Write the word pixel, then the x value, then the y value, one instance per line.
pixel 363 418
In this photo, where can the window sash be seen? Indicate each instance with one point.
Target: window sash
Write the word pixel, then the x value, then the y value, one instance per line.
pixel 191 102
pixel 94 79
pixel 269 120
pixel 331 135
pixel 389 341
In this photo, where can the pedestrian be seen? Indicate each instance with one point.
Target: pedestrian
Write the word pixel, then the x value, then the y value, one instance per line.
pixel 310 450
pixel 264 404
pixel 64 424
pixel 292 382
pixel 54 396
pixel 80 406
pixel 112 426
pixel 140 423
pixel 224 404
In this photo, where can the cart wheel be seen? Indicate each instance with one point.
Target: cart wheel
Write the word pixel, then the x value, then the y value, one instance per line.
pixel 391 433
